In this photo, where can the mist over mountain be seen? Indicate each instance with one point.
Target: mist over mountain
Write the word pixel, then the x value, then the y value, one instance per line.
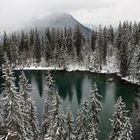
pixel 60 21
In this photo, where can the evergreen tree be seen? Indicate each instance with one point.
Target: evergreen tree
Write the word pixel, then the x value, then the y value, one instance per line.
pixel 111 35
pixel 105 44
pixel 69 41
pixel 6 48
pixel 94 110
pixel 100 46
pixel 82 131
pixel 118 41
pixel 1 118
pixel 120 123
pixel 33 121
pixel 37 46
pixel 70 128
pixel 53 118
pixel 79 40
pixel 12 113
pixel 28 108
pixel 124 49
pixel 56 129
pixel 23 48
pixel 49 97
pixel 14 51
pixel 31 44
pixel 93 40
pixel 127 131
pixel 58 118
pixel 48 50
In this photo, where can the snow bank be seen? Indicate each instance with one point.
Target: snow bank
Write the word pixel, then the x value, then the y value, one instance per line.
pixel 37 68
pixel 131 80
pixel 109 69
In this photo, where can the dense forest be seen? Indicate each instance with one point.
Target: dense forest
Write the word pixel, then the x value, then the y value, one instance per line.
pixel 64 48
pixel 18 117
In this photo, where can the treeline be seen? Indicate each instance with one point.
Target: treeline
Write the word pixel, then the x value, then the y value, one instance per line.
pixel 61 48
pixel 18 117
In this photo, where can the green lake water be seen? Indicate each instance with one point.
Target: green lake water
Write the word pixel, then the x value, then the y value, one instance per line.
pixel 73 87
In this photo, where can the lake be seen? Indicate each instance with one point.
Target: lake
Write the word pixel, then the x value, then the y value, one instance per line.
pixel 73 87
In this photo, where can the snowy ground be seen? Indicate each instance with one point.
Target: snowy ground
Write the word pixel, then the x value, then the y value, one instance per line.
pixel 131 80
pixel 106 69
pixel 109 68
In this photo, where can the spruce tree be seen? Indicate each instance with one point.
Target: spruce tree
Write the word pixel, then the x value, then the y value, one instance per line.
pixel 100 48
pixel 12 113
pixel 124 50
pixel 56 129
pixel 49 97
pixel 58 118
pixel 79 40
pixel 105 44
pixel 53 118
pixel 30 121
pixel 93 40
pixel 111 35
pixel 126 134
pixel 1 120
pixel 37 46
pixel 6 48
pixel 33 121
pixel 121 126
pixel 94 110
pixel 82 131
pixel 70 128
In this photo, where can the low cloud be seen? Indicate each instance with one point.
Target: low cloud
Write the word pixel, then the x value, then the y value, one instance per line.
pixel 15 14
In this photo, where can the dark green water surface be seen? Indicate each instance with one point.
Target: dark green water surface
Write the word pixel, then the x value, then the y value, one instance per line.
pixel 74 86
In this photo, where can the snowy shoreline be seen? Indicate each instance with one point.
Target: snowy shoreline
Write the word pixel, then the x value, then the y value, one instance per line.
pixel 81 68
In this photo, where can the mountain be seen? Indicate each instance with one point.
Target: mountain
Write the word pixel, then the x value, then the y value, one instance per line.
pixel 58 21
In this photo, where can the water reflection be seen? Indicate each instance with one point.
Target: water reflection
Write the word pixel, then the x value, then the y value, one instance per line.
pixel 74 86
pixel 108 107
pixel 64 85
pixel 39 79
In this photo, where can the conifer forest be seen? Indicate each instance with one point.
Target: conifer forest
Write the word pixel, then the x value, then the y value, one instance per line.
pixel 61 79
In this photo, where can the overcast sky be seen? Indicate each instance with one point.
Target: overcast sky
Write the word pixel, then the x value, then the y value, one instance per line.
pixel 15 14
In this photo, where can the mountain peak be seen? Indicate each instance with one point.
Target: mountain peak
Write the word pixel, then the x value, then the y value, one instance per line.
pixel 58 20
pixel 58 15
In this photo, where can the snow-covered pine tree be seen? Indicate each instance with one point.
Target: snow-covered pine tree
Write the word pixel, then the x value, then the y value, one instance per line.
pixel 6 48
pixel 70 128
pixel 118 41
pixel 93 39
pixel 14 52
pixel 94 110
pixel 28 108
pixel 56 129
pixel 69 43
pixel 37 46
pixel 125 38
pixel 12 113
pixel 49 97
pixel 58 118
pixel 120 123
pixel 79 40
pixel 127 131
pixel 33 121
pixel 105 44
pixel 1 119
pixel 100 48
pixel 82 132
pixel 53 116
pixel 111 35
